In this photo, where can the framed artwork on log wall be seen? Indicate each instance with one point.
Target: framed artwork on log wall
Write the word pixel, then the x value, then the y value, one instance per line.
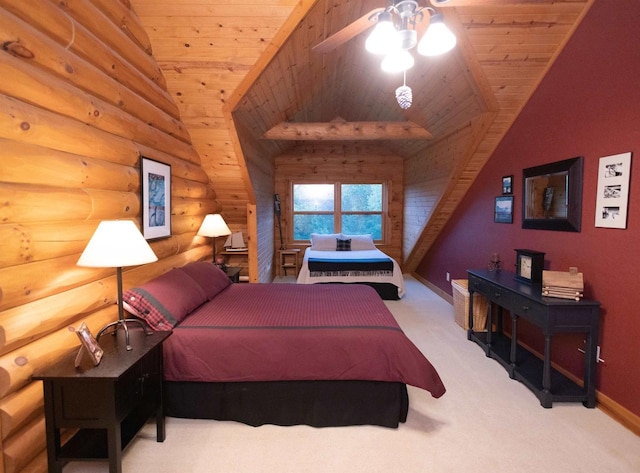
pixel 155 189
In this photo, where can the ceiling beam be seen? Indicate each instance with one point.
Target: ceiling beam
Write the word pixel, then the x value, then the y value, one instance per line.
pixel 331 131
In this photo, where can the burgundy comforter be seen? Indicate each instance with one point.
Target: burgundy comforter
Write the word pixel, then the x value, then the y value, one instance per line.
pixel 281 332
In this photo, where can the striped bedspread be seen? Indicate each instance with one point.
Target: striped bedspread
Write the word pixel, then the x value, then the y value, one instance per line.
pixel 350 266
pixel 279 332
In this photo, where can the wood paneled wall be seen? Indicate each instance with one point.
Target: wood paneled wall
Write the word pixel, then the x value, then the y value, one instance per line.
pixel 264 222
pixel 426 180
pixel 81 99
pixel 355 162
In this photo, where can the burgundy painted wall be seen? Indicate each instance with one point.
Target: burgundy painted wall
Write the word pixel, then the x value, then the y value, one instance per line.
pixel 588 105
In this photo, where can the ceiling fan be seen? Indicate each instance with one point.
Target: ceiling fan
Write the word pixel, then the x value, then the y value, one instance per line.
pixel 407 16
pixel 395 34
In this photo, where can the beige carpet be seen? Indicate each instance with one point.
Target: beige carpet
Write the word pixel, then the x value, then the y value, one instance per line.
pixel 485 422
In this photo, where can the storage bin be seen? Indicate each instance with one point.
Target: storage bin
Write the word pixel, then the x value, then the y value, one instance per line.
pixel 460 288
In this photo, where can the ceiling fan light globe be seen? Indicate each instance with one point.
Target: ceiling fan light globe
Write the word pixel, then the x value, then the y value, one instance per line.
pixel 384 36
pixel 438 39
pixel 398 61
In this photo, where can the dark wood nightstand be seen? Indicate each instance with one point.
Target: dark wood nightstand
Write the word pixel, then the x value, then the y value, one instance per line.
pixel 233 272
pixel 109 403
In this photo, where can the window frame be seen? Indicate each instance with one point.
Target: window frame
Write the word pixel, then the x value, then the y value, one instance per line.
pixel 337 207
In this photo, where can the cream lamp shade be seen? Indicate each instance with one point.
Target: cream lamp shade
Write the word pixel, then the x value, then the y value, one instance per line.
pixel 213 225
pixel 116 243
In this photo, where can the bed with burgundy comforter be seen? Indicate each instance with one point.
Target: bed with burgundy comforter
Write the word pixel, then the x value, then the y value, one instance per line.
pixel 286 354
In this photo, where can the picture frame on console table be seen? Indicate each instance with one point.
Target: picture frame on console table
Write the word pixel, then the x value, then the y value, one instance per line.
pixel 155 198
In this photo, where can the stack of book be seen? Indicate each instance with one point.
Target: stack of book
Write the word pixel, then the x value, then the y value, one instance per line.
pixel 565 285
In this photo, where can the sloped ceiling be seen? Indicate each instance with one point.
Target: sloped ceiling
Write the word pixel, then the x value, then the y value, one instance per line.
pixel 255 60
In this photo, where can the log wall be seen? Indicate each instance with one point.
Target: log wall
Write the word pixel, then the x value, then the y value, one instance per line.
pixel 81 99
pixel 355 162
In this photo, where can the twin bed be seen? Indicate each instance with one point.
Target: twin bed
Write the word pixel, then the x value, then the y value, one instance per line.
pixel 285 354
pixel 351 259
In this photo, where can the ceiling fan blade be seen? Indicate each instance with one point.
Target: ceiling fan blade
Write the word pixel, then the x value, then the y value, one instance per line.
pixel 345 34
pixel 474 3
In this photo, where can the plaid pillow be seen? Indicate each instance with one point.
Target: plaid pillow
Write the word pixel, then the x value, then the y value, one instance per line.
pixel 165 300
pixel 343 245
pixel 361 242
pixel 145 306
pixel 324 242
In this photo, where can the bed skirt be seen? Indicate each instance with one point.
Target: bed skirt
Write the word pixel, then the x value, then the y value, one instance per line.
pixel 314 403
pixel 386 291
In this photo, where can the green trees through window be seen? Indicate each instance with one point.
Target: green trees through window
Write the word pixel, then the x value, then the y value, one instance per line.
pixel 332 208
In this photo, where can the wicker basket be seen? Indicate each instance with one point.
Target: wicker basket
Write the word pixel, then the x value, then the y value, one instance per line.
pixel 461 306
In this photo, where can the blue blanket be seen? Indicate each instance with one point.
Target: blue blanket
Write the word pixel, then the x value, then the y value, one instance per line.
pixel 333 265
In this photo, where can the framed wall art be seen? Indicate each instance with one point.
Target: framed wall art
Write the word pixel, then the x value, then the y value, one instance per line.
pixel 503 210
pixel 552 196
pixel 507 185
pixel 155 188
pixel 612 196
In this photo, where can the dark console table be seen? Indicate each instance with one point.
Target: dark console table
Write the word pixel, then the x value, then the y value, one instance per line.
pixel 108 403
pixel 552 316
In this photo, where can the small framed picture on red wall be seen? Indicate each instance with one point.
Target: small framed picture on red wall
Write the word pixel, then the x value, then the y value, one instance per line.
pixel 503 210
pixel 507 185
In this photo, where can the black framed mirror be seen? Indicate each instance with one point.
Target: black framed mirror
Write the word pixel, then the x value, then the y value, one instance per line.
pixel 552 196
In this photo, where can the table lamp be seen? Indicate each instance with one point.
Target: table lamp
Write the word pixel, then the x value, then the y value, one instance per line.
pixel 117 243
pixel 214 226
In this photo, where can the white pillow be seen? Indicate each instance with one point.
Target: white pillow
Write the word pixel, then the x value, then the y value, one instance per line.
pixel 324 242
pixel 361 242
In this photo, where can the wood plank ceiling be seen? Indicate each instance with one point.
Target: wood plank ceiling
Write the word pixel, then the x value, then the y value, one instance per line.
pixel 206 48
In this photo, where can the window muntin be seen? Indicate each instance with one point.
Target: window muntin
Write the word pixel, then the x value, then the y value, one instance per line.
pixel 331 208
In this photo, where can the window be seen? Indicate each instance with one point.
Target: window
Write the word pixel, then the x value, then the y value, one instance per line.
pixel 332 208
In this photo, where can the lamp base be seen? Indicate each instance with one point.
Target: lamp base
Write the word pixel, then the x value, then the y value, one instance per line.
pixel 123 323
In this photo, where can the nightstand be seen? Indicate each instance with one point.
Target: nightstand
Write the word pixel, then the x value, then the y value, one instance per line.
pixel 108 403
pixel 233 272
pixel 288 259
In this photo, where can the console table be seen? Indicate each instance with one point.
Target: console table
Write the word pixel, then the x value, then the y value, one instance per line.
pixel 552 316
pixel 108 403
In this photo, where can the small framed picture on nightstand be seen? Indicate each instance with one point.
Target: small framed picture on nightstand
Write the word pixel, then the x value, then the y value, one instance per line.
pixel 88 345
